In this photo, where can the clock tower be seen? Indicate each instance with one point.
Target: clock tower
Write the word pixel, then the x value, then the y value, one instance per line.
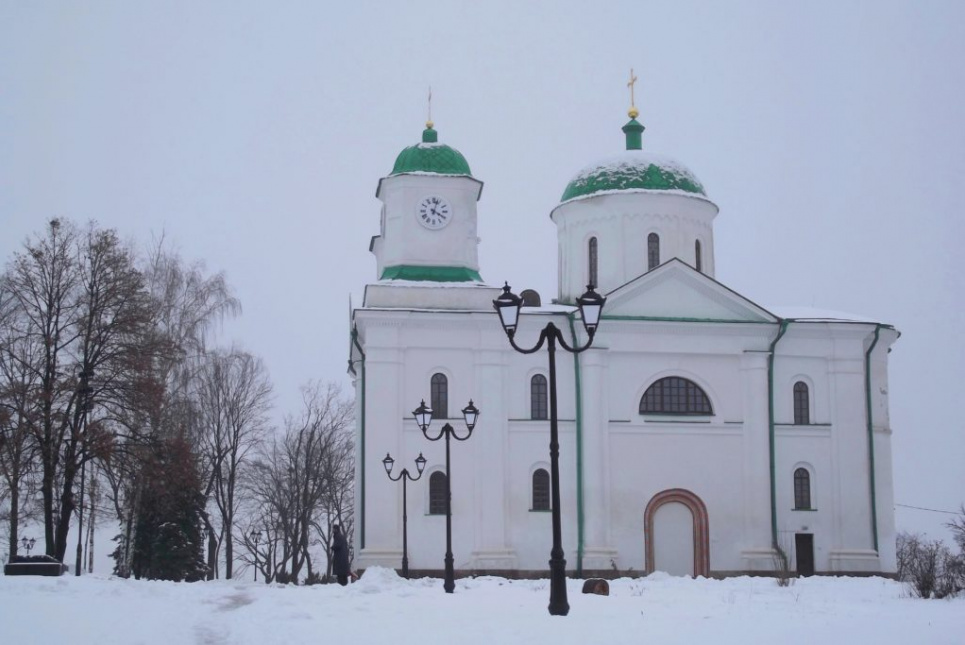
pixel 428 223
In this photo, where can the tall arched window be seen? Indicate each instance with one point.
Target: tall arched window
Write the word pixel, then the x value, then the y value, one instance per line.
pixel 653 251
pixel 592 262
pixel 541 490
pixel 439 396
pixel 802 407
pixel 802 489
pixel 699 264
pixel 537 397
pixel 437 493
pixel 675 395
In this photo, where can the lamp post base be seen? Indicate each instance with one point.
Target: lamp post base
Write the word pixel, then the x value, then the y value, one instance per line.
pixel 450 584
pixel 559 606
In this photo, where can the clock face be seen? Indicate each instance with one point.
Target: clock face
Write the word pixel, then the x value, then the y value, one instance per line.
pixel 433 212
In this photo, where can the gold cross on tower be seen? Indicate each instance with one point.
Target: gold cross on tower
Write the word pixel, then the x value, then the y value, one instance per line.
pixel 633 112
pixel 429 120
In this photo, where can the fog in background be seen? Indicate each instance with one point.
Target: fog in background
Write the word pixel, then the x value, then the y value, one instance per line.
pixel 253 135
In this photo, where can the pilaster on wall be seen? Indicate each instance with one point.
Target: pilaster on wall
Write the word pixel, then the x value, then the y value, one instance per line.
pixel 850 465
pixel 384 433
pixel 598 552
pixel 492 454
pixel 756 551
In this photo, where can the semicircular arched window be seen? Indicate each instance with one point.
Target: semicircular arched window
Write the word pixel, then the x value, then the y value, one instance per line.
pixel 675 395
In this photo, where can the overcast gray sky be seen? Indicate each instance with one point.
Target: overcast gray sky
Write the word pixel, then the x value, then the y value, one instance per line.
pixel 831 135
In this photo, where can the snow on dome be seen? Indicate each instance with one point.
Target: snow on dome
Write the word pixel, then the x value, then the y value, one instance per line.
pixel 431 157
pixel 633 170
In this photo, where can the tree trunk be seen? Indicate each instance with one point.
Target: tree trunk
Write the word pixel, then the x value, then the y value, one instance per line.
pixel 91 521
pixel 229 553
pixel 14 515
pixel 67 506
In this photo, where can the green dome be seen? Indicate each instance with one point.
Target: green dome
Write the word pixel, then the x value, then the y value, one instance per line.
pixel 429 156
pixel 633 170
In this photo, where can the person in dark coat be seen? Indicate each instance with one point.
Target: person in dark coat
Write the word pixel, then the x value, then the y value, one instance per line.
pixel 340 565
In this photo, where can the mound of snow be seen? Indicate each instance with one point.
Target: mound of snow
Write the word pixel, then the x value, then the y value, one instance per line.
pixel 377 579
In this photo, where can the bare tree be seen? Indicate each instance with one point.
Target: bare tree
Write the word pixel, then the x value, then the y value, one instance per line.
pixel 185 305
pixel 112 316
pixel 16 447
pixel 234 400
pixel 42 284
pixel 295 480
pixel 930 568
pixel 957 526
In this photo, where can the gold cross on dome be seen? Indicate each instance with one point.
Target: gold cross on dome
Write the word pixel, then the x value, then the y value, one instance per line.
pixel 633 104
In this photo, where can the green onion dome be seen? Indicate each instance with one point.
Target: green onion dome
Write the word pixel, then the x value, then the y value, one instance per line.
pixel 633 170
pixel 432 157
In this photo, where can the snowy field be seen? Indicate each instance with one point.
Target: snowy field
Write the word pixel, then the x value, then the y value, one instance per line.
pixel 383 608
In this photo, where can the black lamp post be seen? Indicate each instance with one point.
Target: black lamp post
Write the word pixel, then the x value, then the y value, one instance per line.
pixel 591 305
pixel 420 464
pixel 256 538
pixel 423 416
pixel 84 392
pixel 27 544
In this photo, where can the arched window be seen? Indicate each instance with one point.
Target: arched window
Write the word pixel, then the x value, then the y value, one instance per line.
pixel 437 493
pixel 653 251
pixel 530 298
pixel 541 490
pixel 802 414
pixel 675 395
pixel 699 264
pixel 802 489
pixel 592 263
pixel 537 397
pixel 439 396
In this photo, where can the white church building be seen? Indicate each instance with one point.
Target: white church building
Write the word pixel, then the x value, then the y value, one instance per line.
pixel 701 434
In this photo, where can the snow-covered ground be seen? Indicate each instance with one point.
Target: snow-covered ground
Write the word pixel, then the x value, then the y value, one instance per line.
pixel 383 608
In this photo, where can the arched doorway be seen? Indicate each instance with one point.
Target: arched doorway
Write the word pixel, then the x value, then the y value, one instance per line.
pixel 676 534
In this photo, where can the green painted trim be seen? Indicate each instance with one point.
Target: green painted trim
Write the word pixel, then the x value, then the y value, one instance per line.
pixel 871 436
pixel 580 523
pixel 430 274
pixel 719 321
pixel 771 440
pixel 355 339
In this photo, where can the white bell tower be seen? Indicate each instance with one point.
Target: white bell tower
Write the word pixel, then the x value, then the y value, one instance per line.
pixel 428 224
